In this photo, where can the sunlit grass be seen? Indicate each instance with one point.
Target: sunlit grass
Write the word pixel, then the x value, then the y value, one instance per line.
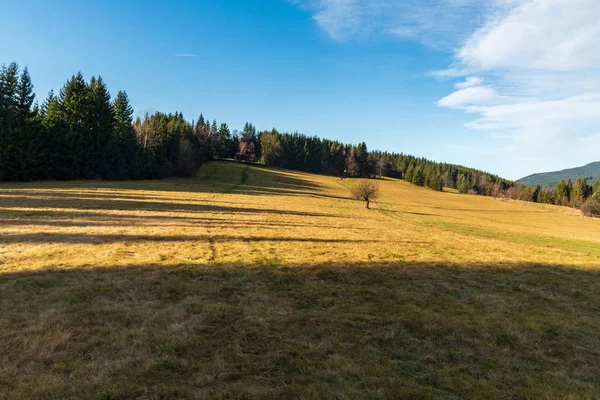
pixel 248 281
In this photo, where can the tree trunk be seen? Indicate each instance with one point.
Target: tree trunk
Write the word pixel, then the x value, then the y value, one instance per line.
pixel 367 204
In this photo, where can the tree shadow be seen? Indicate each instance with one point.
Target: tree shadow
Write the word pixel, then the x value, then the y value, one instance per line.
pixel 97 238
pixel 237 178
pixel 420 330
pixel 89 203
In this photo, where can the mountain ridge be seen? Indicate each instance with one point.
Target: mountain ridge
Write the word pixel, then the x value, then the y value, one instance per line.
pixel 550 179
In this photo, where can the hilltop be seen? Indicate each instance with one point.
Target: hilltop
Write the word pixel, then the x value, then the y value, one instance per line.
pixel 267 283
pixel 550 179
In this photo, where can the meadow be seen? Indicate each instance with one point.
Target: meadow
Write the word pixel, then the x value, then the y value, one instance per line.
pixel 250 282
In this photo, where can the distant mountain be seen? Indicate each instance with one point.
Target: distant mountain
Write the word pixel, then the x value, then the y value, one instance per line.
pixel 550 179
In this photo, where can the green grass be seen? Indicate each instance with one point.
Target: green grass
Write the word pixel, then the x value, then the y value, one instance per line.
pixel 250 282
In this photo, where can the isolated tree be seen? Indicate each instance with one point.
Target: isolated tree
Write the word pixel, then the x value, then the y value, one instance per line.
pixel 366 190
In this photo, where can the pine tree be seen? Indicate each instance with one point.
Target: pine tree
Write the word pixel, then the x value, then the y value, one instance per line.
pixel 224 142
pixel 561 194
pixel 100 125
pixel 126 156
pixel 9 147
pixel 579 193
pixel 74 103
pixel 536 194
pixel 419 177
pixel 463 184
pixel 25 129
pixel 596 188
pixel 361 155
pixel 56 157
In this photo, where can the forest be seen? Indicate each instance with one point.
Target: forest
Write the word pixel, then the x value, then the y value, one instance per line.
pixel 82 133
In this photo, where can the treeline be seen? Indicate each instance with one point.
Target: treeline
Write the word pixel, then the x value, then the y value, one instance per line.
pixel 82 133
pixel 312 154
pixel 580 194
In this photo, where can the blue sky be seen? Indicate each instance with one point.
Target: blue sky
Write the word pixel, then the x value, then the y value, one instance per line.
pixel 507 86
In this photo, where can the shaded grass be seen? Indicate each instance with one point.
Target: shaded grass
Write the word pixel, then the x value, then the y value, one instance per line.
pixel 336 331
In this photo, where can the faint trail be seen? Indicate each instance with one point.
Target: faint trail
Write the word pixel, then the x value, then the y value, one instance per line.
pixel 243 179
pixel 212 248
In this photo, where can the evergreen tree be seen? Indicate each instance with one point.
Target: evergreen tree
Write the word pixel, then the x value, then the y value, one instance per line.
pixel 100 125
pixel 125 154
pixel 463 184
pixel 223 142
pixel 23 137
pixel 73 100
pixel 579 192
pixel 536 194
pixel 57 158
pixel 9 147
pixel 561 194
pixel 419 177
pixel 361 156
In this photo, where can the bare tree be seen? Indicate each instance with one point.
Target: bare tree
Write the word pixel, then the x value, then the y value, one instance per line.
pixel 367 191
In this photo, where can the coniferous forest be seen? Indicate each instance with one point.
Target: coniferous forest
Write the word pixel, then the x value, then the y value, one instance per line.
pixel 83 133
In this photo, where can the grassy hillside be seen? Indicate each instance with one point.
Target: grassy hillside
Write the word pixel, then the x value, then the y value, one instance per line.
pixel 550 179
pixel 260 283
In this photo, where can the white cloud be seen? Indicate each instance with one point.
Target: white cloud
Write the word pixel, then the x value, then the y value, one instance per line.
pixel 469 82
pixel 542 58
pixel 534 121
pixel 469 96
pixel 555 35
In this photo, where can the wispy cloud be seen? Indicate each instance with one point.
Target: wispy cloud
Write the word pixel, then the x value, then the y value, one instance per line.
pixel 542 59
pixel 186 55
pixel 432 22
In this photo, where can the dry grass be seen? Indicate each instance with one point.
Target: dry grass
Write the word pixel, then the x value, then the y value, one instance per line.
pixel 252 282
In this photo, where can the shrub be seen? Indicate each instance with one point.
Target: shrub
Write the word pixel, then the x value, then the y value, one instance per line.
pixel 591 208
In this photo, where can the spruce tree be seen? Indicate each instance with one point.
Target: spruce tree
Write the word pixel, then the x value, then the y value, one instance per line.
pixel 73 101
pixel 224 142
pixel 56 158
pixel 536 194
pixel 579 192
pixel 100 125
pixel 9 147
pixel 561 194
pixel 126 158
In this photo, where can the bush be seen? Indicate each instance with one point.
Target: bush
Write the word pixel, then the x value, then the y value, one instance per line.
pixel 591 208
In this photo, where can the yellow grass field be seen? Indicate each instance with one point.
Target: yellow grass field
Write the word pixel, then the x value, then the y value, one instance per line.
pixel 249 282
